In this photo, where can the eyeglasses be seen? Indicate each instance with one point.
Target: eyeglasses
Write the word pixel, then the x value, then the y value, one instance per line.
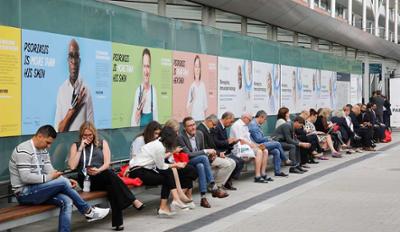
pixel 87 135
pixel 190 125
pixel 73 56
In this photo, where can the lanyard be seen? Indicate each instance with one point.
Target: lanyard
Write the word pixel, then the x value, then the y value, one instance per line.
pixel 84 170
pixel 37 158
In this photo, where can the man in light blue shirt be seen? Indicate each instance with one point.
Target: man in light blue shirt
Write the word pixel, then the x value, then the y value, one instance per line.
pixel 274 147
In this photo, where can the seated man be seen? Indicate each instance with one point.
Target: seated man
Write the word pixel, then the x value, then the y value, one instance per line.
pixel 273 147
pixel 192 143
pixel 225 144
pixel 240 130
pixel 205 127
pixel 285 135
pixel 35 181
pixel 379 127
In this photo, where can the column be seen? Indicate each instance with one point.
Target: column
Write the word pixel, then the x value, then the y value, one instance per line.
pixel 161 7
pixel 365 83
pixel 364 15
pixel 350 12
pixel 311 4
pixel 314 43
pixel 396 19
pixel 333 8
pixel 208 16
pixel 387 17
pixel 376 17
pixel 296 39
pixel 243 26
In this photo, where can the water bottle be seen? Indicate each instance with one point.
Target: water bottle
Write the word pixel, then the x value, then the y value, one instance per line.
pixel 86 184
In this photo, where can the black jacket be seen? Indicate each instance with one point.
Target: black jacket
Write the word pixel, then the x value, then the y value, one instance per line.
pixel 220 138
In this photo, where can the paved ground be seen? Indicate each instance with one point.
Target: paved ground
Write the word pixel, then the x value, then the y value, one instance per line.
pixel 359 192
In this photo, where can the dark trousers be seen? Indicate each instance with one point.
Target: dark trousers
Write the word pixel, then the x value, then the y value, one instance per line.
pixel 118 194
pixel 294 152
pixel 151 177
pixel 238 168
pixel 366 135
pixel 186 176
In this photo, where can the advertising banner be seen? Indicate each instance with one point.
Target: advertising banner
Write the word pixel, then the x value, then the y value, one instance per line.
pixel 10 81
pixel 354 98
pixel 194 83
pixel 151 86
pixel 235 85
pixel 325 89
pixel 343 90
pixel 266 88
pixel 395 101
pixel 66 81
pixel 308 83
pixel 290 92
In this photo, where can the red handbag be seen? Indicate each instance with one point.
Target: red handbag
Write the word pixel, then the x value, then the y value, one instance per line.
pixel 181 157
pixel 127 180
pixel 388 136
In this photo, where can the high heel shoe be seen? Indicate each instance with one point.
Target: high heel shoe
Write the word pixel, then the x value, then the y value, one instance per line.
pixel 163 213
pixel 176 204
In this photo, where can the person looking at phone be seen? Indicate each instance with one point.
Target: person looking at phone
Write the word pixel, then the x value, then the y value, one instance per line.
pixel 145 107
pixel 34 181
pixel 74 101
pixel 91 157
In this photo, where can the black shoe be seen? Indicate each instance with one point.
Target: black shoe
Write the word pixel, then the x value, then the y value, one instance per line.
pixel 267 178
pixel 282 174
pixel 313 162
pixel 260 180
pixel 229 186
pixel 301 169
pixel 295 170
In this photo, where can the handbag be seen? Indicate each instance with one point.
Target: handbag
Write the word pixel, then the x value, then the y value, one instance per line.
pixel 181 157
pixel 388 136
pixel 127 180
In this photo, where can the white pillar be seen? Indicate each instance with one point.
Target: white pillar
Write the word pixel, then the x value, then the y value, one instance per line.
pixel 396 19
pixel 311 4
pixel 208 16
pixel 350 12
pixel 387 14
pixel 365 84
pixel 296 39
pixel 364 15
pixel 376 17
pixel 333 8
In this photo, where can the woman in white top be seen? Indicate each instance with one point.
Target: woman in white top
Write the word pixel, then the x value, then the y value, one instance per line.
pixel 149 165
pixel 150 133
pixel 197 98
pixel 282 117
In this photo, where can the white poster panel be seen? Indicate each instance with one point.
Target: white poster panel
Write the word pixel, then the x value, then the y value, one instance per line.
pixel 234 86
pixel 332 90
pixel 395 101
pixel 266 95
pixel 353 89
pixel 325 93
pixel 289 95
pixel 307 98
pixel 343 90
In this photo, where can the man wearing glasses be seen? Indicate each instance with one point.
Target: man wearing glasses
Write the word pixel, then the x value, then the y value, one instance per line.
pixel 74 102
pixel 245 146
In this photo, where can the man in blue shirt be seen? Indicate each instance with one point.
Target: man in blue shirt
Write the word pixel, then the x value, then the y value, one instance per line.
pixel 274 147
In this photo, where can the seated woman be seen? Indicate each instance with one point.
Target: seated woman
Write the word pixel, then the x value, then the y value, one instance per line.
pixel 91 157
pixel 149 165
pixel 152 132
pixel 282 117
pixel 319 125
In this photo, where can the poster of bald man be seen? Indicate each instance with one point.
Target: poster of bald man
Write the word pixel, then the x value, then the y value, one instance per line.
pixel 66 81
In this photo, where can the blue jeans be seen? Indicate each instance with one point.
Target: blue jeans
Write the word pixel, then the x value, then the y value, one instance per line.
pixel 55 192
pixel 202 164
pixel 275 148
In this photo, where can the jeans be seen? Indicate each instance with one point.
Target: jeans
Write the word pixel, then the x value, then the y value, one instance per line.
pixel 202 164
pixel 270 145
pixel 55 192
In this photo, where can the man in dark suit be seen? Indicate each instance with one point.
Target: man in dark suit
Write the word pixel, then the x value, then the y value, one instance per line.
pixel 225 144
pixel 206 128
pixel 285 134
pixel 192 142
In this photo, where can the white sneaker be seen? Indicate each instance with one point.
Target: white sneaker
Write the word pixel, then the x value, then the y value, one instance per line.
pixel 96 214
pixel 163 213
pixel 191 205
